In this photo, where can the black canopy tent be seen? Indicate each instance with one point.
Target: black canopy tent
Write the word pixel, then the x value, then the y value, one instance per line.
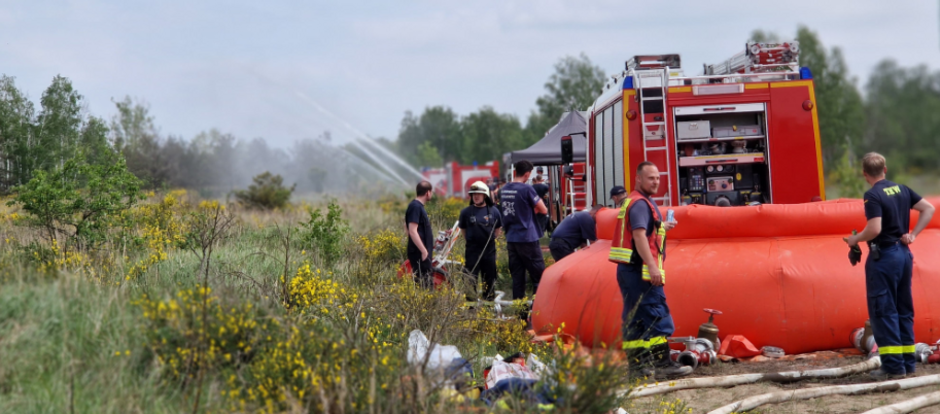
pixel 547 151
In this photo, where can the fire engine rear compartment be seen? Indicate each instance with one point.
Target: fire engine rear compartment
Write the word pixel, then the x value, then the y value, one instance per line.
pixel 744 133
pixel 721 154
pixel 774 123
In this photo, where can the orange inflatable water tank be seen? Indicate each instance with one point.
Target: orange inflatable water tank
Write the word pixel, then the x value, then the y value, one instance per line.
pixel 780 274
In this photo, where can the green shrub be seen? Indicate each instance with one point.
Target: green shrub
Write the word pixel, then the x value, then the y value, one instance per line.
pixel 848 178
pixel 78 200
pixel 325 234
pixel 267 192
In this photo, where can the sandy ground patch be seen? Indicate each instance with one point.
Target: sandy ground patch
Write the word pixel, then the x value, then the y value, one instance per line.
pixel 703 400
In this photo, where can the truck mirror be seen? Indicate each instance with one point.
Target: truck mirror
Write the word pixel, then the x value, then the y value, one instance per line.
pixel 567 150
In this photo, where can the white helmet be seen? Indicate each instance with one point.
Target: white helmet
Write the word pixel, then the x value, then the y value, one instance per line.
pixel 479 187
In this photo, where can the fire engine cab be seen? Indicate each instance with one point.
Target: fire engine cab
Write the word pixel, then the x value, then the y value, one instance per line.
pixel 745 132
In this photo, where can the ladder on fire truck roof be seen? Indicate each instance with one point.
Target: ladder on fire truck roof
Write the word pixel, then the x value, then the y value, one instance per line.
pixel 759 57
pixel 654 80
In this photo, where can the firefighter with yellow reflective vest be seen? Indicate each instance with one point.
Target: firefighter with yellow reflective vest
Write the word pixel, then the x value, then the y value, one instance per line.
pixel 639 249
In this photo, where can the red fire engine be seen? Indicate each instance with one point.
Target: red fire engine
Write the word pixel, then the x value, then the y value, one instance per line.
pixel 572 186
pixel 745 132
pixel 454 179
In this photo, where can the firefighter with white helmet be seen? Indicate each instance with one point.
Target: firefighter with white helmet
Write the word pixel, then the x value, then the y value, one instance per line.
pixel 481 224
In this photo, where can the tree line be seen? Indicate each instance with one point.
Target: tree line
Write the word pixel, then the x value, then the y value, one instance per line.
pixel 440 135
pixel 214 163
pixel 895 116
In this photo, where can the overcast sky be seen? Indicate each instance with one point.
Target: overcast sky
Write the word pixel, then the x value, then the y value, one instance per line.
pixel 264 68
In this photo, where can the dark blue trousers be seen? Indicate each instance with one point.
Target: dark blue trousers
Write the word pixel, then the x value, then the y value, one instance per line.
pixel 560 249
pixel 422 270
pixel 525 257
pixel 891 307
pixel 646 318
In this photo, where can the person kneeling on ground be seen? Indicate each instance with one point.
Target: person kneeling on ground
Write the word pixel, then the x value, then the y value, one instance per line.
pixel 575 231
pixel 481 224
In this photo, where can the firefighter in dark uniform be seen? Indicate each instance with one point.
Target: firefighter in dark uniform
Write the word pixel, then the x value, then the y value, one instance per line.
pixel 481 224
pixel 889 266
pixel 542 189
pixel 639 249
pixel 420 235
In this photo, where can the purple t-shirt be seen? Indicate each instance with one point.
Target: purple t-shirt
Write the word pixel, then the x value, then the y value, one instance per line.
pixel 518 202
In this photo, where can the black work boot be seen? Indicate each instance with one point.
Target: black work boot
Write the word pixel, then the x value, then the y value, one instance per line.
pixel 639 365
pixel 881 375
pixel 664 365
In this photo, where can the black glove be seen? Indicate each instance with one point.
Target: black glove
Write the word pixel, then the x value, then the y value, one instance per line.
pixel 855 255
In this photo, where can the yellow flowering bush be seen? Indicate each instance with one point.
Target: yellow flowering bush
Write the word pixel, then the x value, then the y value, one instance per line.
pixel 311 292
pixel 54 259
pixel 314 364
pixel 502 336
pixel 444 212
pixel 674 407
pixel 13 218
pixel 383 247
pixel 167 214
pixel 160 226
pixel 338 351
pixel 183 344
pixel 582 381
pixel 210 205
pixel 393 205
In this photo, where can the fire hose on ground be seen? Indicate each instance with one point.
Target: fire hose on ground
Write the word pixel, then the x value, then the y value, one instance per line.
pixel 499 304
pixel 908 406
pixel 733 380
pixel 751 403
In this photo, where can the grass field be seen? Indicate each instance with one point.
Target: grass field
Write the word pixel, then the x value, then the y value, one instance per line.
pixel 193 306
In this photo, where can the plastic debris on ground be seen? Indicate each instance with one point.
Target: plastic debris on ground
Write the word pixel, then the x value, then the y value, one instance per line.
pixel 536 366
pixel 737 346
pixel 445 365
pixel 523 388
pixel 518 374
pixel 419 346
pixel 513 367
pixel 772 352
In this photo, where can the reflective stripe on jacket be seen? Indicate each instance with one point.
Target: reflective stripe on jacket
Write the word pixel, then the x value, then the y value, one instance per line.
pixel 622 246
